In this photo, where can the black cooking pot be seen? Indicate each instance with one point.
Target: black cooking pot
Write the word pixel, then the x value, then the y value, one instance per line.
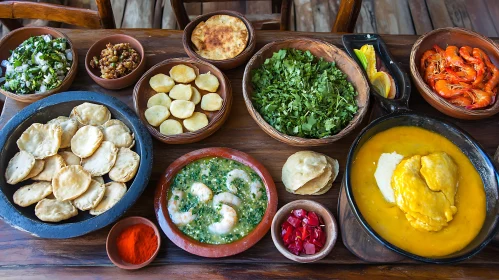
pixel 400 115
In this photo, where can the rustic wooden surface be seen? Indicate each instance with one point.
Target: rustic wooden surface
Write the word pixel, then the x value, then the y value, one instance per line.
pixel 24 256
pixel 392 16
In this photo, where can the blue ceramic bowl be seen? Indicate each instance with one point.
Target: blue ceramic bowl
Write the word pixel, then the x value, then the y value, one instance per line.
pixel 23 218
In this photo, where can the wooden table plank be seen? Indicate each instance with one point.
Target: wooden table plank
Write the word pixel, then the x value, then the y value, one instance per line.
pixel 420 16
pixel 493 8
pixel 458 13
pixel 393 17
pixel 21 251
pixel 439 15
pixel 480 17
pixel 251 272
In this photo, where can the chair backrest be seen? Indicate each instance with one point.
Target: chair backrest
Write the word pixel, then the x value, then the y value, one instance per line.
pixel 12 10
pixel 347 16
pixel 284 22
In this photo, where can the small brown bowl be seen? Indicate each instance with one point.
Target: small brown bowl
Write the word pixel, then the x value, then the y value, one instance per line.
pixel 143 91
pixel 15 38
pixel 458 37
pixel 331 229
pixel 122 82
pixel 210 250
pixel 225 64
pixel 319 49
pixel 112 250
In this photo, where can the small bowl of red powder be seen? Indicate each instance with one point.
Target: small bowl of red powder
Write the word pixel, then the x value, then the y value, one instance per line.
pixel 133 243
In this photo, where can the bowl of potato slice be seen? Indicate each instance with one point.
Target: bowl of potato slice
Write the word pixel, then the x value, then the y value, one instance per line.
pixel 182 100
pixel 72 163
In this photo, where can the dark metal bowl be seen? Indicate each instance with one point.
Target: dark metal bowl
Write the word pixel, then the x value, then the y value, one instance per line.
pixel 23 218
pixel 468 146
pixel 400 115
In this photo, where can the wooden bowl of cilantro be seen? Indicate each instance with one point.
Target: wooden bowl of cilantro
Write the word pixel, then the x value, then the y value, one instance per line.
pixel 305 92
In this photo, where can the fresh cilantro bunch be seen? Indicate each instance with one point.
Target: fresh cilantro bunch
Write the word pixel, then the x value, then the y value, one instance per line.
pixel 302 95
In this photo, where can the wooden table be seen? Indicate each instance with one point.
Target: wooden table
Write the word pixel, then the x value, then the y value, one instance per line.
pixel 24 256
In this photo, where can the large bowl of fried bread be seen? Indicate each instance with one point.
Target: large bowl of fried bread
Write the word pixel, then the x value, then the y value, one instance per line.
pixel 72 163
pixel 225 39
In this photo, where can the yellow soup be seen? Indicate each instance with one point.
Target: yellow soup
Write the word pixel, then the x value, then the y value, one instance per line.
pixel 389 221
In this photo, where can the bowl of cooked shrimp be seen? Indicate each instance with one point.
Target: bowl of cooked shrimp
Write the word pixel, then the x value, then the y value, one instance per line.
pixel 457 71
pixel 215 202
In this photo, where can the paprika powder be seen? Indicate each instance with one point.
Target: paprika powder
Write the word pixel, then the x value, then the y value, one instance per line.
pixel 137 243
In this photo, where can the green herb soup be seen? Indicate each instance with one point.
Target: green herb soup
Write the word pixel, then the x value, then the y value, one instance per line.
pixel 217 174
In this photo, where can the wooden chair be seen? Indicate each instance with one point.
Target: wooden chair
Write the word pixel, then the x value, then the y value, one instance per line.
pixel 10 11
pixel 347 16
pixel 274 21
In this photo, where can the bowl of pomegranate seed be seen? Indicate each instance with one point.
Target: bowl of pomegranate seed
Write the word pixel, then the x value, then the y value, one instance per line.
pixel 304 231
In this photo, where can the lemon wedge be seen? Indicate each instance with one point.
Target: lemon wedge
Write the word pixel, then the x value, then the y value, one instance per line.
pixel 381 83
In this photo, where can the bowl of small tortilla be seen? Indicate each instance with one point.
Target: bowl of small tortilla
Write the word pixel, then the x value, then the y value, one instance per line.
pixel 225 39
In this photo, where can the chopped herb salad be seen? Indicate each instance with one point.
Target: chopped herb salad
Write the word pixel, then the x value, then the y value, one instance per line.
pixel 302 95
pixel 37 65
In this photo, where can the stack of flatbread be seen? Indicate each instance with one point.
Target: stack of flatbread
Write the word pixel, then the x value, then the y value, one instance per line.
pixel 65 160
pixel 309 173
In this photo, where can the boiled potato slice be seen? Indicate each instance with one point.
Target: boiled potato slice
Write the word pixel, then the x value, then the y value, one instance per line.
pixel 156 114
pixel 196 96
pixel 160 98
pixel 211 102
pixel 182 74
pixel 181 92
pixel 208 82
pixel 171 127
pixel 182 109
pixel 196 121
pixel 161 83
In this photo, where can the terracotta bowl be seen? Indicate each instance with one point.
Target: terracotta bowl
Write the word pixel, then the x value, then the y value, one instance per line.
pixel 203 249
pixel 319 49
pixel 116 230
pixel 15 38
pixel 118 83
pixel 458 37
pixel 331 229
pixel 225 64
pixel 143 91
